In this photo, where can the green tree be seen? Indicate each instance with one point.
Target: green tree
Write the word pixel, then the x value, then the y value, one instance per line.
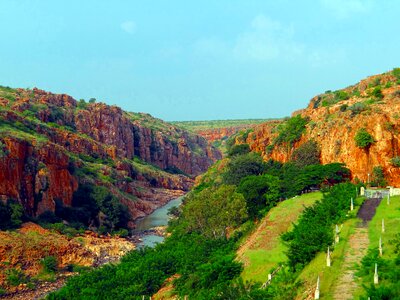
pixel 363 139
pixel 378 177
pixel 241 166
pixel 211 211
pixel 259 192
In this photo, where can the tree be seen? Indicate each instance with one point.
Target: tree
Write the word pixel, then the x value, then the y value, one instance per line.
pixel 378 176
pixel 259 192
pixel 241 166
pixel 211 211
pixel 363 139
pixel 306 154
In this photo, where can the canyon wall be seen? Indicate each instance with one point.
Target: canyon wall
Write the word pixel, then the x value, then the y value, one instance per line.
pixel 50 143
pixel 333 124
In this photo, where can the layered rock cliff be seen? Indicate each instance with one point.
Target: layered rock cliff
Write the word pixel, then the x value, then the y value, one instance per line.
pixel 50 144
pixel 334 118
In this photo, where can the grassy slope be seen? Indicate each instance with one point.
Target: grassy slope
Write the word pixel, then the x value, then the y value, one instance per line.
pixel 264 250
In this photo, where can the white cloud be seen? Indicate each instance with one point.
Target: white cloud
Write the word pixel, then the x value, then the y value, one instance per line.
pixel 345 8
pixel 267 40
pixel 323 57
pixel 128 27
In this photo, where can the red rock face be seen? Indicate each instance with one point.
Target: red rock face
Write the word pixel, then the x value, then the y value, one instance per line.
pixel 35 177
pixel 38 173
pixel 334 130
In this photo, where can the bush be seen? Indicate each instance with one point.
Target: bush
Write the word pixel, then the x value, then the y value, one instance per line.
pixel 49 264
pixel 15 277
pixel 11 215
pixel 395 161
pixel 377 92
pixel 363 139
pixel 343 107
pixel 357 108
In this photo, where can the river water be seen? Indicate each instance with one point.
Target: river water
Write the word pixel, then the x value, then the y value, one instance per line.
pixel 159 217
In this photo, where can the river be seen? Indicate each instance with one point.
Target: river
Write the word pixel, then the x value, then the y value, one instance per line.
pixel 159 217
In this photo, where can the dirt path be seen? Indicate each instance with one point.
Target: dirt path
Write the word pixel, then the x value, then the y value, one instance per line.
pixel 358 246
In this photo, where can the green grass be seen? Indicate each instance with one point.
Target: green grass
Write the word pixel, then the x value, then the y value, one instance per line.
pixel 317 267
pixel 391 214
pixel 329 275
pixel 267 249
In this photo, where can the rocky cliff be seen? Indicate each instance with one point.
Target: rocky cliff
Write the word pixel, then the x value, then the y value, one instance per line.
pixel 334 118
pixel 50 144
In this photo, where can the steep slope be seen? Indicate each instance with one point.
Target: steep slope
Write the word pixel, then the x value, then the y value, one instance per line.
pixel 52 144
pixel 335 118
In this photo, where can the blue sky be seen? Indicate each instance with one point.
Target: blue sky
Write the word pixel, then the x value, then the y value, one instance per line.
pixel 197 60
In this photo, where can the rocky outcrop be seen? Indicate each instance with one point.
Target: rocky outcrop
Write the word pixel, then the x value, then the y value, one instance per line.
pixel 49 142
pixel 334 126
pixel 25 248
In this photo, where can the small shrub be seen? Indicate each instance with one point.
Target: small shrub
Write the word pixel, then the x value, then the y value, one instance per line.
pixel 377 92
pixel 15 277
pixel 363 139
pixel 388 85
pixel 49 264
pixel 343 107
pixel 395 161
pixel 357 108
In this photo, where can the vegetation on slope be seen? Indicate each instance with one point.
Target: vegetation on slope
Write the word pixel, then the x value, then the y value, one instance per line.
pixel 205 237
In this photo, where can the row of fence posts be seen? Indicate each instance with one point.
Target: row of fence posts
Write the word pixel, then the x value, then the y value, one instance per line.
pixel 328 256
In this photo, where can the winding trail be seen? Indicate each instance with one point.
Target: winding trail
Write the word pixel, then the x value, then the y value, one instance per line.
pixel 358 247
